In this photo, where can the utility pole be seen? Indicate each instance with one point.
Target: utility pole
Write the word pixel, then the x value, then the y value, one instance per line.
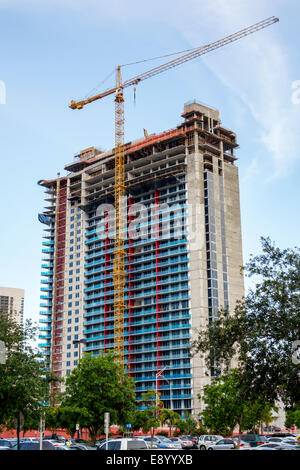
pixel 42 429
pixel 106 427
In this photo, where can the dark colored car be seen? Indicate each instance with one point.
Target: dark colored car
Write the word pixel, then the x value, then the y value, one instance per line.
pixel 272 429
pixel 254 439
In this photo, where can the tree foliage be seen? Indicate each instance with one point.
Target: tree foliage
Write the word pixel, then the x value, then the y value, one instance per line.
pixel 98 385
pixel 228 405
pixel 259 337
pixel 169 417
pixel 24 379
pixel 153 407
pixel 293 417
pixel 187 425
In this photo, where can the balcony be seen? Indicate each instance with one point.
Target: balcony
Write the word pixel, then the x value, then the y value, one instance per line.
pixel 44 345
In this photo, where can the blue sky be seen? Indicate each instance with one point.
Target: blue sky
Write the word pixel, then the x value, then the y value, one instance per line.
pixel 54 51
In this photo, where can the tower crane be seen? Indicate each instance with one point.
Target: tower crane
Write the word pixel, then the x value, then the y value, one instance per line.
pixel 119 251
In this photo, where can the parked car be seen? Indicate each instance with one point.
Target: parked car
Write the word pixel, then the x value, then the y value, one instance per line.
pixel 227 444
pixel 289 447
pixel 79 446
pixel 28 439
pixel 272 429
pixel 124 444
pixel 35 445
pixel 5 444
pixel 159 442
pixel 254 439
pixel 170 442
pixel 193 439
pixel 277 440
pixel 185 444
pixel 290 440
pixel 207 439
pixel 269 446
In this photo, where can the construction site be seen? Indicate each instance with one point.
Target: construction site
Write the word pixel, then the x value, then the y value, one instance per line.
pixel 145 296
pixel 173 285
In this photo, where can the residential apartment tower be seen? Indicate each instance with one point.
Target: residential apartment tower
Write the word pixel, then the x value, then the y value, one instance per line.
pixel 183 254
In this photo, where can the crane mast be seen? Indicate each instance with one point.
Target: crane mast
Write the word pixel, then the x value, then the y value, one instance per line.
pixel 119 273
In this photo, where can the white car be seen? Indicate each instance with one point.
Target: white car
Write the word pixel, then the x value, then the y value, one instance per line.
pixel 227 444
pixel 268 446
pixel 184 443
pixel 206 441
pixel 124 444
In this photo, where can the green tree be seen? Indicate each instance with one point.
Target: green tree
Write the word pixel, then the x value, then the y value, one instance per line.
pixel 190 425
pixel 65 417
pixel 187 425
pixel 138 420
pixel 170 417
pixel 258 337
pixel 24 378
pixel 293 417
pixel 227 405
pixel 98 385
pixel 153 407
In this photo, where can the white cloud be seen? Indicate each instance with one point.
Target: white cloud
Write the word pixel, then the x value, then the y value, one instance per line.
pixel 256 69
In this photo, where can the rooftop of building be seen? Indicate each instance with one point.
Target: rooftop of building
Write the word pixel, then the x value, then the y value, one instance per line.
pixel 193 110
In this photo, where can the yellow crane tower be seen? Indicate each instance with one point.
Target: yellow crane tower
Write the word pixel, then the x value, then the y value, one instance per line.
pixel 119 251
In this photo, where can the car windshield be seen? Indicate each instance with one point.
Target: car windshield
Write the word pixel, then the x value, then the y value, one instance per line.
pixel 165 439
pixel 4 443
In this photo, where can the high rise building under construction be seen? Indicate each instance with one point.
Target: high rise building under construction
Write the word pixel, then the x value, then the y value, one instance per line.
pixel 183 254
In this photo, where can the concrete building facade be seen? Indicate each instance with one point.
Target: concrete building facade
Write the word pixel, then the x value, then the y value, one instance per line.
pixel 12 303
pixel 183 254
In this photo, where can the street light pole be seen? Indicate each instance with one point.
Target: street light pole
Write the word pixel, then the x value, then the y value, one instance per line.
pixel 158 374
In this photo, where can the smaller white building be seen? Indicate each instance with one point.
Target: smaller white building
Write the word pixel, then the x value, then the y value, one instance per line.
pixel 12 302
